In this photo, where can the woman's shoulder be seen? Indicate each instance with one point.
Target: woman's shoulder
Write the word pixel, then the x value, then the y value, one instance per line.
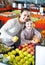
pixel 13 19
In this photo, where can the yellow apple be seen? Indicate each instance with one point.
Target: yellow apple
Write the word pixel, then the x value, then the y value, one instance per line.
pixel 15 39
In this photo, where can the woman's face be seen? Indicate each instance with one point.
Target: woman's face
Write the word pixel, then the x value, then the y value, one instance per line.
pixel 29 25
pixel 24 16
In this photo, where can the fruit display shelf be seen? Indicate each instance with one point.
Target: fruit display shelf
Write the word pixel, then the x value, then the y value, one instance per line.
pixel 23 55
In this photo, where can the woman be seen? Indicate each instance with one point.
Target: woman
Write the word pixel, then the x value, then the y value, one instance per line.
pixel 30 34
pixel 13 27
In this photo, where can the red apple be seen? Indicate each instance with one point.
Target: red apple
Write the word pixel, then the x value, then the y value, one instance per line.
pixel 32 44
pixel 20 47
pixel 24 49
pixel 28 50
pixel 32 52
pixel 32 48
pixel 29 45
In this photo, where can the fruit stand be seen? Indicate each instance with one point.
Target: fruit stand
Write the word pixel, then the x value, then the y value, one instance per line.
pixel 23 55
pixel 20 56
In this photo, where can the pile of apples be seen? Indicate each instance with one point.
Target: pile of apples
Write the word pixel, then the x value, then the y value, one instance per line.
pixel 18 57
pixel 27 48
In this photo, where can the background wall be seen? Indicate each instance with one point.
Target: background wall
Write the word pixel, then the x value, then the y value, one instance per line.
pixel 34 1
pixel 31 1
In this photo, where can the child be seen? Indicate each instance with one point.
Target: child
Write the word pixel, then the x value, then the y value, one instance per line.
pixel 30 34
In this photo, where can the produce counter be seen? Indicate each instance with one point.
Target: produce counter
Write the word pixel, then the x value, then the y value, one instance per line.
pixel 8 15
pixel 4 19
pixel 23 55
pixel 40 24
pixel 7 8
pixel 36 15
pixel 34 10
pixel 39 20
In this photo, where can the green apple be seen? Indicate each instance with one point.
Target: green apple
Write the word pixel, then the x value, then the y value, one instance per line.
pixel 31 59
pixel 17 50
pixel 25 58
pixel 27 62
pixel 13 52
pixel 15 62
pixel 5 55
pixel 25 54
pixel 21 55
pixel 33 62
pixel 33 56
pixel 17 58
pixel 29 55
pixel 9 53
pixel 20 52
pixel 22 61
pixel 12 57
